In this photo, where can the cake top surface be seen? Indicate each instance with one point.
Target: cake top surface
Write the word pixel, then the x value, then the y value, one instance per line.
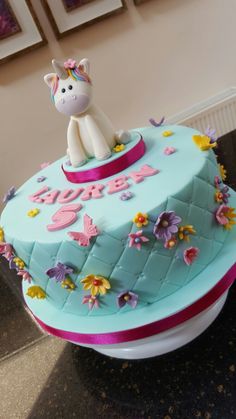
pixel 109 212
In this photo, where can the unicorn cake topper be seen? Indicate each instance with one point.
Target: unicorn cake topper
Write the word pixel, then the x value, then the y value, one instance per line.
pixel 90 132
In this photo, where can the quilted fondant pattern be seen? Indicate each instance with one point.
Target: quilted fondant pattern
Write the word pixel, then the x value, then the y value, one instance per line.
pixel 153 273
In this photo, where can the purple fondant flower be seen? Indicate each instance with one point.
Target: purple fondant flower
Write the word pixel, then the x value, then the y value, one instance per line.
pixel 166 225
pixel 127 297
pixel 12 263
pixel 155 123
pixel 59 272
pixel 190 255
pixel 125 196
pixel 68 163
pixel 211 133
pixel 41 179
pixel 91 300
pixel 137 239
pixel 9 195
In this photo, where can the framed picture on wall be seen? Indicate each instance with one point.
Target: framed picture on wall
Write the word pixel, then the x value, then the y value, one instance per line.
pixel 20 31
pixel 67 16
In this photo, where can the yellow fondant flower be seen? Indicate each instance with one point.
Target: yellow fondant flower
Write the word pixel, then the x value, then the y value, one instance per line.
pixel 167 133
pixel 223 172
pixel 33 212
pixel 230 214
pixel 1 235
pixel 19 263
pixel 185 231
pixel 118 148
pixel 68 284
pixel 140 219
pixel 36 291
pixel 203 142
pixel 96 284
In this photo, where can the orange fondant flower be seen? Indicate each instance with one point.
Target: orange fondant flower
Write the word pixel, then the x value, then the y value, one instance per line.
pixel 169 244
pixel 184 232
pixel 218 196
pixel 223 172
pixel 1 235
pixel 140 219
pixel 203 142
pixel 96 284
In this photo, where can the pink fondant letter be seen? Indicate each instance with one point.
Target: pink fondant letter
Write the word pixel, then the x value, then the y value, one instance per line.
pixel 118 184
pixel 69 195
pixel 64 217
pixel 36 196
pixel 51 197
pixel 143 172
pixel 92 191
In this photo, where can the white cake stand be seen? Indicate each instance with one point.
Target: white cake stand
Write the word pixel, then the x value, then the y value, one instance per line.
pixel 166 341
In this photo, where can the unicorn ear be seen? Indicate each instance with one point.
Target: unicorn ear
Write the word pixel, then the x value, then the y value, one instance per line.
pixel 49 79
pixel 85 64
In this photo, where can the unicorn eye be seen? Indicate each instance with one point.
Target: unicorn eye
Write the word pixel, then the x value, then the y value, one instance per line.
pixel 63 90
pixel 70 87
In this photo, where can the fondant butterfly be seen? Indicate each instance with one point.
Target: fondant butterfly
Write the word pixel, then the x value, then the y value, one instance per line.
pixel 155 123
pixel 90 230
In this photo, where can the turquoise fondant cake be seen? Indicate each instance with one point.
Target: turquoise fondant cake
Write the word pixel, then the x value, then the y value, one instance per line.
pixel 107 244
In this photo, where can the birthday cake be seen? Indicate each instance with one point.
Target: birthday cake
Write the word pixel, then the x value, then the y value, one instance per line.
pixel 127 229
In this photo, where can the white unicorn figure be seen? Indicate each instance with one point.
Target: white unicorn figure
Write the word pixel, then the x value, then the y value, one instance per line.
pixel 90 132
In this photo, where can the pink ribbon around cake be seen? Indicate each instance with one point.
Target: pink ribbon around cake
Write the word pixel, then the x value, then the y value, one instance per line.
pixel 150 329
pixel 108 169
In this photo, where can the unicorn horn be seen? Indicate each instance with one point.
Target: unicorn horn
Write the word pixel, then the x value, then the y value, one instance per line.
pixel 59 69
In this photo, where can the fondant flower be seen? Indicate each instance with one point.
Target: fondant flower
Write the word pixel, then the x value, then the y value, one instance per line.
pixel 9 195
pixel 18 262
pixel 41 179
pixel 68 284
pixel 225 216
pixel 6 250
pixel 44 165
pixel 127 297
pixel 203 142
pixel 91 300
pixel 59 272
pixel 223 172
pixel 25 275
pixel 140 219
pixel 137 239
pixel 32 213
pixel 118 148
pixel 166 225
pixel 36 292
pixel 155 123
pixel 217 181
pixel 169 244
pixel 190 255
pixel 211 133
pixel 218 196
pixel 1 234
pixel 169 150
pixel 167 133
pixel 70 63
pixel 185 231
pixel 96 283
pixel 125 196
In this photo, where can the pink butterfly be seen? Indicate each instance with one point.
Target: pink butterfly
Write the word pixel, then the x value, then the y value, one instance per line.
pixel 90 230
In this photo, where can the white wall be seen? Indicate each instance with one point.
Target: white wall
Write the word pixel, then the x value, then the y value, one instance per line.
pixel 152 60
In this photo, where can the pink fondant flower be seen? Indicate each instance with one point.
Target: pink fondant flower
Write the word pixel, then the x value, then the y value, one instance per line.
pixel 6 250
pixel 91 300
pixel 190 255
pixel 70 63
pixel 225 216
pixel 44 165
pixel 137 239
pixel 25 275
pixel 169 150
